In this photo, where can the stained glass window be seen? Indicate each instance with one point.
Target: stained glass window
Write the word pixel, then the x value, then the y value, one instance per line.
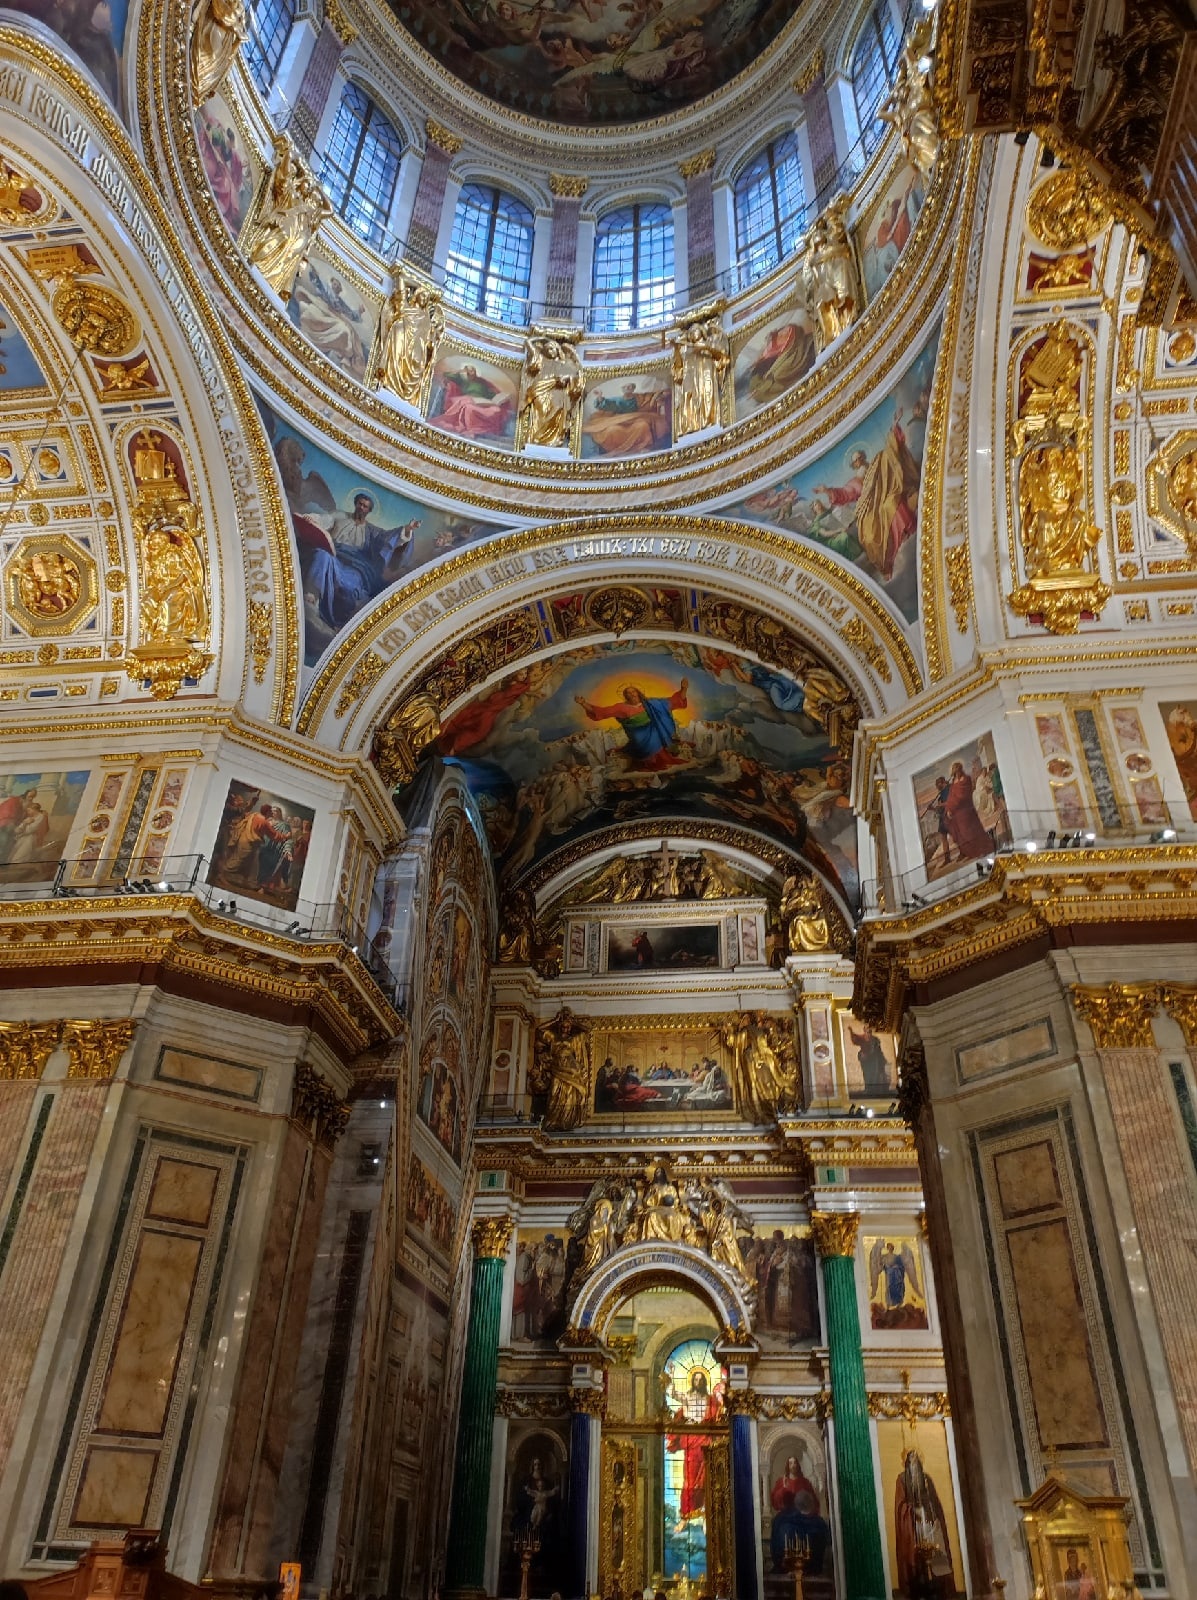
pixel 361 165
pixel 770 208
pixel 694 1384
pixel 632 284
pixel 490 253
pixel 270 23
pixel 873 64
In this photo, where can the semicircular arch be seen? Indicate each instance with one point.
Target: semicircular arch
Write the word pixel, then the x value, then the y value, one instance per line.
pixel 652 1263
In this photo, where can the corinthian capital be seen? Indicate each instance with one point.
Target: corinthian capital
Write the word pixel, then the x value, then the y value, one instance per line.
pixel 1180 1001
pixel 491 1236
pixel 835 1232
pixel 1119 1014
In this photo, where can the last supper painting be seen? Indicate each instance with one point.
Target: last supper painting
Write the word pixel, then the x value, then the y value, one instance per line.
pixel 594 61
pixel 617 733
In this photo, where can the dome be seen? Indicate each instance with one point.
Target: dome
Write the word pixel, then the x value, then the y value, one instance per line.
pixel 595 62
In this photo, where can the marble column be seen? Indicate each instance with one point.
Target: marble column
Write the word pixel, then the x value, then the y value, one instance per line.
pixel 586 1400
pixel 860 1528
pixel 428 207
pixel 1159 1176
pixel 700 224
pixel 820 130
pixel 745 1521
pixel 315 87
pixel 465 1560
pixel 563 244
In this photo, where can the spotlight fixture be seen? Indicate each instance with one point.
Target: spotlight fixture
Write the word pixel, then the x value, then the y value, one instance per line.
pixel 917 900
pixel 982 870
pixel 233 907
pixel 1090 840
pixel 164 888
pixel 294 928
pixel 1164 836
pixel 1051 839
pixel 222 905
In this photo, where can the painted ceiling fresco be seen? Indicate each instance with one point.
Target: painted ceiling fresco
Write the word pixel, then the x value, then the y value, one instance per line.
pixel 594 61
pixel 861 498
pixel 626 731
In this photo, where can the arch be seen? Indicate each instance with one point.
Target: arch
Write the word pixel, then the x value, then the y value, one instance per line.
pixel 634 1266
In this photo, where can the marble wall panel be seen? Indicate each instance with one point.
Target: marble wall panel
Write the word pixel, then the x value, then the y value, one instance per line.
pixel 16 1102
pixel 230 1078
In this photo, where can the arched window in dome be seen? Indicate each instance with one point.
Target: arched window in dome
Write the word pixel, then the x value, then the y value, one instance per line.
pixel 874 62
pixel 490 253
pixel 361 165
pixel 270 24
pixel 770 204
pixel 632 283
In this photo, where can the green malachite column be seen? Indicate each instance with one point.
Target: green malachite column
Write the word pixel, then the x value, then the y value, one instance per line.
pixel 860 1526
pixel 465 1562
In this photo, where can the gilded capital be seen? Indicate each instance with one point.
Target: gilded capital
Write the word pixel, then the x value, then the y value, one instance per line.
pixel 567 185
pixel 96 1047
pixel 590 1402
pixel 810 74
pixel 334 15
pixel 835 1232
pixel 25 1047
pixel 1180 1002
pixel 440 136
pixel 1119 1014
pixel 491 1236
pixel 695 166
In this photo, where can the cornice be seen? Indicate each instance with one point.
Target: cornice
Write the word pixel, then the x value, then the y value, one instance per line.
pixel 1117 895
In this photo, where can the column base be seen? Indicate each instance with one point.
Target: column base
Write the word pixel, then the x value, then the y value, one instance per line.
pixel 469 1592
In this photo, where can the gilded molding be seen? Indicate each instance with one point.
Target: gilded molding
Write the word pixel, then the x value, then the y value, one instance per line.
pixel 1119 1014
pixel 694 166
pixel 590 1402
pixel 835 1232
pixel 781 1407
pixel 1180 1002
pixel 491 1237
pixel 260 622
pixel 25 1047
pixel 907 1407
pixel 440 136
pixel 96 1048
pixel 567 186
pixel 811 73
pixel 526 1404
pixel 960 584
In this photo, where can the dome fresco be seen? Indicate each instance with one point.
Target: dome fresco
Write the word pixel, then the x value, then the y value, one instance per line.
pixel 597 62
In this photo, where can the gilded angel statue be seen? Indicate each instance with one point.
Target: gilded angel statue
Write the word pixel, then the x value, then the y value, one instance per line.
pixel 413 322
pixel 218 30
pixel 553 385
pixel 290 212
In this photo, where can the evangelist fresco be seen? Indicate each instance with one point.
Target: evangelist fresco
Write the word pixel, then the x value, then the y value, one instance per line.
pixel 887 228
pixel 430 1210
pixel 667 945
pixel 537 1481
pixel 261 846
pixel 595 61
pixel 647 1072
pixel 920 1512
pixel 353 538
pixel 544 1264
pixel 773 360
pixel 474 398
pixel 36 813
pixel 861 499
pixel 870 1059
pixel 622 731
pixel 1180 721
pixel 628 416
pixel 897 1294
pixel 18 368
pixel 338 320
pixel 794 1503
pixel 961 804
pixel 782 1265
pixel 231 168
pixel 93 29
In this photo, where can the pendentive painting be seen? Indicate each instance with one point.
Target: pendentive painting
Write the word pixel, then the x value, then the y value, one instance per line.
pixel 921 1526
pixel 598 62
pixel 439 1099
pixel 887 228
pixel 18 367
pixel 36 813
pixel 781 1263
pixel 545 1260
pixel 333 315
pixel 795 1509
pixel 1180 721
pixel 534 1508
pixel 861 499
pixel 474 398
pixel 773 360
pixel 870 1059
pixel 650 1071
pixel 631 415
pixel 897 1293
pixel 607 734
pixel 678 945
pixel 353 539
pixel 961 805
pixel 231 168
pixel 94 30
pixel 261 846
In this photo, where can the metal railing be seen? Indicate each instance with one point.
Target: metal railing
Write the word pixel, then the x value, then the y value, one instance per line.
pixel 315 922
pixel 948 868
